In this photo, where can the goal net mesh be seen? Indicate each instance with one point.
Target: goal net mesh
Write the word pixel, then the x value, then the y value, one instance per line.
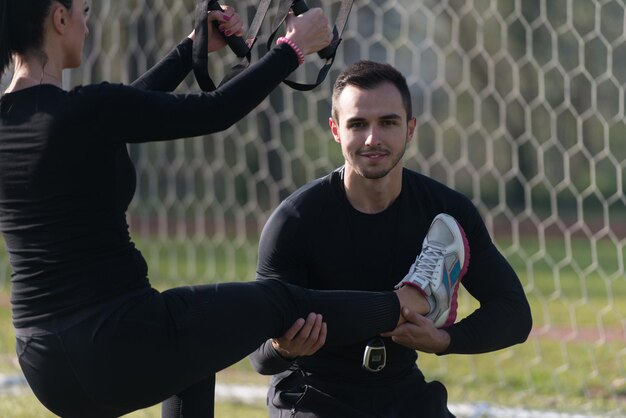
pixel 520 105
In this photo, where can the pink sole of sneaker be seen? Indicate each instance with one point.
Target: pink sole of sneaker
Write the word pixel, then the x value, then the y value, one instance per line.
pixel 454 305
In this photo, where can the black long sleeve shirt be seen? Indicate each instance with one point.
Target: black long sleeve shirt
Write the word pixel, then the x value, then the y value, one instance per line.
pixel 316 239
pixel 66 179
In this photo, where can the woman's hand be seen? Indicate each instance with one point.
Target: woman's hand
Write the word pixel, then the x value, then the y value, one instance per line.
pixel 310 30
pixel 228 22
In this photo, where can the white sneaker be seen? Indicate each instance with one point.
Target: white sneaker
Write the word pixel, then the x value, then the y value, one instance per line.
pixel 438 269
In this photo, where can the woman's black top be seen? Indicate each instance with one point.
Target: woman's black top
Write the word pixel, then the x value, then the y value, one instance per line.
pixel 66 178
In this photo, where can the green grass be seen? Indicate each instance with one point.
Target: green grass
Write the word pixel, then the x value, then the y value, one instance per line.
pixel 27 406
pixel 576 292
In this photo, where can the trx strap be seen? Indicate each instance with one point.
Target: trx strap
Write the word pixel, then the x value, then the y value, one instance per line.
pixel 328 53
pixel 201 47
pixel 237 44
pixel 242 47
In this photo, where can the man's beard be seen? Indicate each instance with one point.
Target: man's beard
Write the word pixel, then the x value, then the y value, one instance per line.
pixel 377 173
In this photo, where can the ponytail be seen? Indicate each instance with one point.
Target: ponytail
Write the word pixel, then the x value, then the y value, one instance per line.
pixel 5 40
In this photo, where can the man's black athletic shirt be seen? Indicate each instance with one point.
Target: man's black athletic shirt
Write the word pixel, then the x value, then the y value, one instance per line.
pixel 317 240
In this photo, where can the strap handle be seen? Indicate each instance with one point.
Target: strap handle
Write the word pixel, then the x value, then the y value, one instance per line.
pixel 298 7
pixel 237 44
pixel 200 49
pixel 242 48
pixel 328 53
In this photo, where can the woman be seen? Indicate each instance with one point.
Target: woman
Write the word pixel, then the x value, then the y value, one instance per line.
pixel 94 339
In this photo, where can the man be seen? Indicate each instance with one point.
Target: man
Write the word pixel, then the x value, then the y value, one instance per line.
pixel 360 227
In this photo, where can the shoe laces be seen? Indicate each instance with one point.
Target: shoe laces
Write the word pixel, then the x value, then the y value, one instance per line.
pixel 427 261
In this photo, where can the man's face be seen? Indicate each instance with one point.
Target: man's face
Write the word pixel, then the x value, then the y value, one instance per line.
pixel 372 129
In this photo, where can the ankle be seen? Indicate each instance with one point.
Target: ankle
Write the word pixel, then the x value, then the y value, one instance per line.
pixel 413 298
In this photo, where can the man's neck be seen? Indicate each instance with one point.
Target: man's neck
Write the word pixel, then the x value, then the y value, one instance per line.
pixel 372 195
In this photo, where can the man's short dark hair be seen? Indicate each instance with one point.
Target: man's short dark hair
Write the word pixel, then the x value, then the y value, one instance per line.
pixel 368 75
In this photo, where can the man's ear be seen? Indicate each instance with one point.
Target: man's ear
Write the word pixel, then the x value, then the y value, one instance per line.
pixel 334 129
pixel 411 124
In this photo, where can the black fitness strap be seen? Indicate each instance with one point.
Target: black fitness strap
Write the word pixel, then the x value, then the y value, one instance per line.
pixel 201 47
pixel 328 53
pixel 242 48
pixel 237 44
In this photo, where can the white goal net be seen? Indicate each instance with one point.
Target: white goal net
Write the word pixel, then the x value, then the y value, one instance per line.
pixel 520 105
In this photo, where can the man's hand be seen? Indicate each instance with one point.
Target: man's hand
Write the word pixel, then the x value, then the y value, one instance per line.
pixel 419 333
pixel 303 338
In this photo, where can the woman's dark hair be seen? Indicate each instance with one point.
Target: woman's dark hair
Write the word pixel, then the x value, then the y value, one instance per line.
pixel 21 26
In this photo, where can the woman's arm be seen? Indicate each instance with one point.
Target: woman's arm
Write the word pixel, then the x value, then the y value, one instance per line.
pixel 120 113
pixel 168 73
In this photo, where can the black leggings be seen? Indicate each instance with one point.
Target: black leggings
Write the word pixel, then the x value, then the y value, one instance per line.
pixel 142 351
